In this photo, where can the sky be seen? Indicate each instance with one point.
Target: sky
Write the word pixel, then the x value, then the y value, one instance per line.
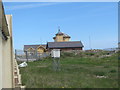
pixel 95 24
pixel 60 0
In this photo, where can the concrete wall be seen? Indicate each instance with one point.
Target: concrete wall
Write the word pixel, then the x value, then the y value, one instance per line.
pixel 6 57
pixel 7 61
pixel 0 46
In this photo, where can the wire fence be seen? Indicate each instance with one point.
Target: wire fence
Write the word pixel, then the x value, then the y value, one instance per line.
pixel 22 55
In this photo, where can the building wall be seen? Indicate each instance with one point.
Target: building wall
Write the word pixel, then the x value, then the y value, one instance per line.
pixel 59 38
pixel 6 56
pixel 66 39
pixel 1 59
pixel 7 59
pixel 10 65
pixel 7 64
pixel 0 46
pixel 41 50
pixel 66 49
pixel 31 50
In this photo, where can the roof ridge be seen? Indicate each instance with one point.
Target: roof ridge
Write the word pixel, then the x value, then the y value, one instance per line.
pixel 65 44
pixel 68 41
pixel 34 44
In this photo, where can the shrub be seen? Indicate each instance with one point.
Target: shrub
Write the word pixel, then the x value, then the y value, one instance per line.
pixel 113 71
pixel 106 66
pixel 90 54
pixel 97 55
pixel 99 73
pixel 67 54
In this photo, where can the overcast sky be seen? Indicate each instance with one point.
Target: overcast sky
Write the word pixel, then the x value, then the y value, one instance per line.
pixel 37 23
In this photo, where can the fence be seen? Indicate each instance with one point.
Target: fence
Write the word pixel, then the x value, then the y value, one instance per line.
pixel 22 55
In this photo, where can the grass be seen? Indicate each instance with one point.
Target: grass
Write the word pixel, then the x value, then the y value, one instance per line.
pixel 77 71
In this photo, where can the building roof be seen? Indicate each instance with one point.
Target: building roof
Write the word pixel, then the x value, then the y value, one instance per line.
pixel 61 33
pixel 4 24
pixel 65 35
pixel 69 44
pixel 26 47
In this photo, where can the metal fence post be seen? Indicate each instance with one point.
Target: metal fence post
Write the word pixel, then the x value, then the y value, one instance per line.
pixel 26 55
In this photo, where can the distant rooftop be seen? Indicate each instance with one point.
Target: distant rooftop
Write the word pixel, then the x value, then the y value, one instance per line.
pixel 34 46
pixel 61 33
pixel 69 44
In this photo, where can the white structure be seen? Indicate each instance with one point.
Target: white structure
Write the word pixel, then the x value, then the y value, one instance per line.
pixel 9 71
pixel 55 53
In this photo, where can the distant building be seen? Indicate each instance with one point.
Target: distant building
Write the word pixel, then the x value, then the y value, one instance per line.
pixel 65 46
pixel 31 49
pixel 62 42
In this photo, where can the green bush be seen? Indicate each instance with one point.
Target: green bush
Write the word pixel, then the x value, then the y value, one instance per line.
pixel 96 55
pixel 90 54
pixel 67 54
pixel 106 66
pixel 99 73
pixel 113 71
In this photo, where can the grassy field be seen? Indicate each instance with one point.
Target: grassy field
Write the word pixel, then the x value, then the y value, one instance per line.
pixel 84 70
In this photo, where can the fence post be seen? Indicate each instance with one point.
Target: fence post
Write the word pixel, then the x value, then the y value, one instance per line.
pixel 26 55
pixel 36 54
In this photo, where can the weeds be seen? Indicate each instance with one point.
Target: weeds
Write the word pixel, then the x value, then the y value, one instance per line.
pixel 77 71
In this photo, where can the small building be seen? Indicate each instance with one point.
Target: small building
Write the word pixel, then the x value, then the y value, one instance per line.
pixel 65 46
pixel 31 49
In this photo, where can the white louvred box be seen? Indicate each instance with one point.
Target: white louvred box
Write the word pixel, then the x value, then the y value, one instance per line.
pixel 55 53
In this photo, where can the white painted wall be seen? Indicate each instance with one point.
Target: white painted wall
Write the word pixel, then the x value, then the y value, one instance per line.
pixel 0 47
pixel 7 58
pixel 0 60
